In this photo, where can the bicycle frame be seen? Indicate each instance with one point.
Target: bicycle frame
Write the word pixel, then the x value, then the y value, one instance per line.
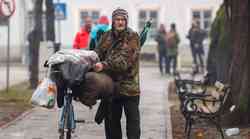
pixel 67 117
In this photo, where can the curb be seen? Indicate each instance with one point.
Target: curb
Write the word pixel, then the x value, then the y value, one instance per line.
pixel 18 118
pixel 168 123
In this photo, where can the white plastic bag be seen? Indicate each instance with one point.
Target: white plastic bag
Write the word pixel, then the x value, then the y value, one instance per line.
pixel 45 94
pixel 232 131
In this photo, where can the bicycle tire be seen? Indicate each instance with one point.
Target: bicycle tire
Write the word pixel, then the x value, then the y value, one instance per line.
pixel 66 123
pixel 65 133
pixel 61 136
pixel 68 134
pixel 61 131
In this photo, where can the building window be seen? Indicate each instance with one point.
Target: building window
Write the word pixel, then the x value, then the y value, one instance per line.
pixel 144 16
pixel 203 17
pixel 93 14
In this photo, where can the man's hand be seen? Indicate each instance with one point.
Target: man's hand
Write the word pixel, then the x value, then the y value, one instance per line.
pixel 98 67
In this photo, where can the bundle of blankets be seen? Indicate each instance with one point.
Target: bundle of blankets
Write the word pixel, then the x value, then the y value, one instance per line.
pixel 72 68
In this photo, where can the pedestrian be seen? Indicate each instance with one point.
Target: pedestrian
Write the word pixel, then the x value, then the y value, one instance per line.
pixel 119 54
pixel 82 38
pixel 162 49
pixel 196 36
pixel 98 31
pixel 172 44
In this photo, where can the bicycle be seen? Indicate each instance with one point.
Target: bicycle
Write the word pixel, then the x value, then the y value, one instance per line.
pixel 67 121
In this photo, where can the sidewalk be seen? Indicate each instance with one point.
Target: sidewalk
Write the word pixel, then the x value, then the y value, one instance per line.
pixel 41 123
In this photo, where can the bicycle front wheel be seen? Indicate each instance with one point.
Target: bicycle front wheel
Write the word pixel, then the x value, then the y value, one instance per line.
pixel 61 136
pixel 68 134
pixel 66 130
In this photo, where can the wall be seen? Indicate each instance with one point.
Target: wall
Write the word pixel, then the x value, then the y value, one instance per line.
pixel 178 11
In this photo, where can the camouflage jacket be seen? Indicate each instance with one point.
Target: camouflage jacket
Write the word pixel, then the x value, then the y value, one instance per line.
pixel 120 56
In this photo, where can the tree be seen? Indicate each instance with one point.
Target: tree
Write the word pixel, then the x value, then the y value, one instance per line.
pixel 229 54
pixel 34 37
pixel 50 21
pixel 220 48
pixel 238 13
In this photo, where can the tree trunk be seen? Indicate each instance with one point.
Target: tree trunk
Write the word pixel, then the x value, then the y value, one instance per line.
pixel 35 37
pixel 50 21
pixel 239 69
pixel 220 49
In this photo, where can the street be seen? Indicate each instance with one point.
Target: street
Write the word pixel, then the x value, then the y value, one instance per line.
pixel 40 123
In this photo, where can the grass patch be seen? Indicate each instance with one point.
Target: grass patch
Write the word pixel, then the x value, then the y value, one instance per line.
pixel 14 102
pixel 19 94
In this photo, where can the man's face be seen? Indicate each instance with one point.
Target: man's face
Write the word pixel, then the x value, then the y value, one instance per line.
pixel 88 23
pixel 119 23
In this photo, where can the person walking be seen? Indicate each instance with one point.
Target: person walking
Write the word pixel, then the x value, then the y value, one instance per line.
pixel 196 36
pixel 172 44
pixel 162 49
pixel 82 38
pixel 119 54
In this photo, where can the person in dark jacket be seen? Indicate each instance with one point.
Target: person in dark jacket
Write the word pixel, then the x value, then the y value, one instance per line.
pixel 119 50
pixel 162 49
pixel 196 36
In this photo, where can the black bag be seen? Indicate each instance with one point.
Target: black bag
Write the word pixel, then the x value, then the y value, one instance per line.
pixel 96 86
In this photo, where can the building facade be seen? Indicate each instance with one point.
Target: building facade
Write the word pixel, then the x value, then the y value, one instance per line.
pixel 180 12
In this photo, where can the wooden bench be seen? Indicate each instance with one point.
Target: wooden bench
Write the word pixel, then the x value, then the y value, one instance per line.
pixel 201 101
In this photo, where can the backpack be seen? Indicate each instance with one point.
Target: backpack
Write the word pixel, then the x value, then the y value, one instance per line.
pixel 170 39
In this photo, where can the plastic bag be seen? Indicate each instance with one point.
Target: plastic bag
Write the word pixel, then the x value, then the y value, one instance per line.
pixel 45 94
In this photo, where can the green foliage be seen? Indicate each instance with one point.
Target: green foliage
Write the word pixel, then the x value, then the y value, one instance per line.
pixel 219 31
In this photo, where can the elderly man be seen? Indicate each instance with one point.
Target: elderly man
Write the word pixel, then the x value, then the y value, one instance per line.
pixel 119 53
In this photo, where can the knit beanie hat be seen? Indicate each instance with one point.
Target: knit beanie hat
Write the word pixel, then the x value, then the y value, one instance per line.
pixel 103 20
pixel 120 12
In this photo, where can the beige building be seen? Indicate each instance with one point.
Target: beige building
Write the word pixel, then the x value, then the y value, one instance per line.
pixel 165 12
